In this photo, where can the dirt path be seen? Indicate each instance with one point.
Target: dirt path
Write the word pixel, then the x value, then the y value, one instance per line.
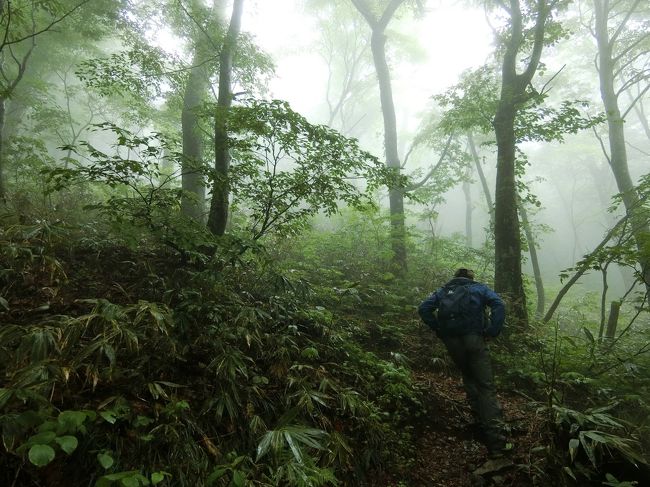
pixel 449 453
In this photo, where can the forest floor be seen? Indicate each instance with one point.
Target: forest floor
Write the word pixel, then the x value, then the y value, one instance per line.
pixel 448 451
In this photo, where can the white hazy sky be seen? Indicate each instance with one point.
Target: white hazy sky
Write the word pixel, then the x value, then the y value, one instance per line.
pixel 454 38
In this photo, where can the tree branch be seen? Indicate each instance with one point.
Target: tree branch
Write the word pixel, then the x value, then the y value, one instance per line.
pixel 540 23
pixel 433 169
pixel 6 42
pixel 635 100
pixel 629 13
pixel 582 269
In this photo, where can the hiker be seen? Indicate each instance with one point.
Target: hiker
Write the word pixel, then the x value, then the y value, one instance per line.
pixel 456 312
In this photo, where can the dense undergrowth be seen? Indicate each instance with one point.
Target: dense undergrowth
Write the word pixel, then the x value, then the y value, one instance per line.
pixel 144 360
pixel 121 365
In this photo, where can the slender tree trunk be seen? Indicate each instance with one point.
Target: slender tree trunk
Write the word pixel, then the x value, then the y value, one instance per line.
pixel 532 249
pixel 396 198
pixel 586 265
pixel 219 206
pixel 616 130
pixel 395 195
pixel 612 321
pixel 193 184
pixel 603 302
pixel 481 176
pixel 468 208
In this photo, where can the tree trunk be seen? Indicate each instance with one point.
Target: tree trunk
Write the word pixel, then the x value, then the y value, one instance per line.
pixel 396 198
pixel 468 208
pixel 616 130
pixel 507 256
pixel 219 205
pixel 481 176
pixel 395 195
pixel 603 302
pixel 193 184
pixel 532 249
pixel 612 321
pixel 507 245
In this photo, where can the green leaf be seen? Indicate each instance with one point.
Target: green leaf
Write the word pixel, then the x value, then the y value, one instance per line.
pixel 589 335
pixel 131 482
pixel 105 460
pixel 41 438
pixel 71 420
pixel 5 395
pixel 157 477
pixel 109 416
pixel 569 472
pixel 216 474
pixel 67 443
pixel 41 455
pixel 574 443
pixel 238 478
pixel 4 303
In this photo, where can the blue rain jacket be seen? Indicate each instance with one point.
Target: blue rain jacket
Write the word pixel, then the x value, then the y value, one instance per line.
pixel 481 297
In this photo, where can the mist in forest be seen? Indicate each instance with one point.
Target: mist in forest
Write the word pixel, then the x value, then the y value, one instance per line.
pixel 226 224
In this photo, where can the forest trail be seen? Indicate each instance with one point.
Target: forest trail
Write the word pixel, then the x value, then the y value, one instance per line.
pixel 452 439
pixel 448 450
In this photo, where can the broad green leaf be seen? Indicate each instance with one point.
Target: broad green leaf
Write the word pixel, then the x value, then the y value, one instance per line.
pixel 131 482
pixel 105 460
pixel 41 455
pixel 238 478
pixel 42 438
pixel 71 420
pixel 67 443
pixel 157 477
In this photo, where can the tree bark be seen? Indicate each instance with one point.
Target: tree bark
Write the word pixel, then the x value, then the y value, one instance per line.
pixel 192 180
pixel 468 208
pixel 395 195
pixel 615 126
pixel 507 275
pixel 219 205
pixel 507 258
pixel 612 321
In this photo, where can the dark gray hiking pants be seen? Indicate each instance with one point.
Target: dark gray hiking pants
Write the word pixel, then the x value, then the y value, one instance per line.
pixel 470 354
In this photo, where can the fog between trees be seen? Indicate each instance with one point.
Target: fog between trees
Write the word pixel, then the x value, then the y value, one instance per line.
pixel 262 191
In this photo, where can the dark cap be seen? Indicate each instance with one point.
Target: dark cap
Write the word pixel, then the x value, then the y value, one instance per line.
pixel 462 272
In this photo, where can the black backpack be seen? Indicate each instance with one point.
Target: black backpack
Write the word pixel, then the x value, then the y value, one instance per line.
pixel 454 307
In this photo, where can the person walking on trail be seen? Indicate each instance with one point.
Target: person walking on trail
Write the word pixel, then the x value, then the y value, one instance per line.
pixel 456 312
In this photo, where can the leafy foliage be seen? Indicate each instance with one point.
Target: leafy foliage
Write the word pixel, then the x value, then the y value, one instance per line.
pixel 287 169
